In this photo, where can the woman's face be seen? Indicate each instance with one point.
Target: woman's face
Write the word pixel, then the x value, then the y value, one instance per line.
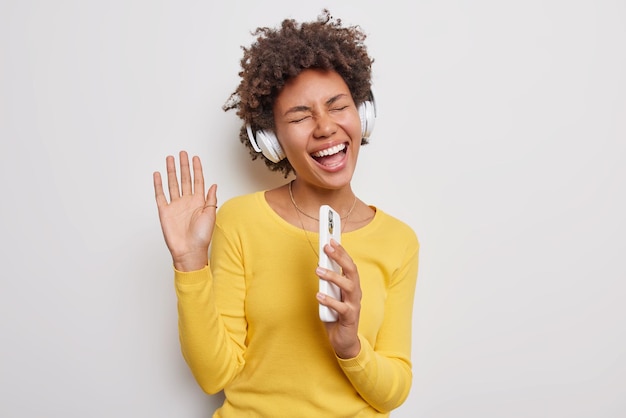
pixel 318 126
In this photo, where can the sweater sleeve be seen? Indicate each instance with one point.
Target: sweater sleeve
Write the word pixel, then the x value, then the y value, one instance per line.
pixel 211 319
pixel 381 373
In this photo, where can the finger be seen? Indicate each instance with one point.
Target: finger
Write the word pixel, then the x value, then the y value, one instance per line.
pixel 172 179
pixel 337 253
pixel 198 176
pixel 211 197
pixel 161 200
pixel 185 174
pixel 343 282
pixel 338 306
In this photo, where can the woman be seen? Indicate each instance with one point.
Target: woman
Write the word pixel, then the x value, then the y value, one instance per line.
pixel 248 316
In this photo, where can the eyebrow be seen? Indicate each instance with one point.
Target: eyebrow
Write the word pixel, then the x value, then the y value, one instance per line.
pixel 303 108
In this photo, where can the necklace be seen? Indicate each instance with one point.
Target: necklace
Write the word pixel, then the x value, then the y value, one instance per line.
pixel 307 235
pixel 300 211
pixel 313 217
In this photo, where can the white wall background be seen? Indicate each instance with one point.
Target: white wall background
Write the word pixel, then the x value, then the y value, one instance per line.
pixel 501 139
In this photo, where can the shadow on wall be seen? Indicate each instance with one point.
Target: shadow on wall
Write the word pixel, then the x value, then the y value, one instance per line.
pixel 215 401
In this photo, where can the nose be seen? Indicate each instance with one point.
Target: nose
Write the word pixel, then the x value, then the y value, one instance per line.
pixel 325 126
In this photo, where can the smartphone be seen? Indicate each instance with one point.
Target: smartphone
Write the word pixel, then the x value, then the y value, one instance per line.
pixel 330 228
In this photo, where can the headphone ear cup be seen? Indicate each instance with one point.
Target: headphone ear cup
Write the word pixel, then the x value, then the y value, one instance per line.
pixel 266 143
pixel 270 146
pixel 367 113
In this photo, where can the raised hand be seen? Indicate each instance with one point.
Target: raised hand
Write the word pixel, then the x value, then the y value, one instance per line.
pixel 343 334
pixel 188 219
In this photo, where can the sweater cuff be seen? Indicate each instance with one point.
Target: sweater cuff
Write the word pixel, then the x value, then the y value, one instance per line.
pixel 192 277
pixel 360 361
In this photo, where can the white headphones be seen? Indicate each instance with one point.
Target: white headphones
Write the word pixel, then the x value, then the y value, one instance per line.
pixel 265 141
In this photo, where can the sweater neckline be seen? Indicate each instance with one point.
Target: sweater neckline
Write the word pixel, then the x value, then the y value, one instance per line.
pixel 260 196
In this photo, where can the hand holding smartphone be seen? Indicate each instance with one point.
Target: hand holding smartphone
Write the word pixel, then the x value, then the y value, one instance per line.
pixel 330 228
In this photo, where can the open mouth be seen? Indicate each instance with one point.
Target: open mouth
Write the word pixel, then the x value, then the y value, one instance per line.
pixel 330 156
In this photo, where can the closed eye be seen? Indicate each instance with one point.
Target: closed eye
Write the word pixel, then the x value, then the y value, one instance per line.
pixel 298 120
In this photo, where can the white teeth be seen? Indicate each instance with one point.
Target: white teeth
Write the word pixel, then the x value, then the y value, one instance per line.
pixel 330 151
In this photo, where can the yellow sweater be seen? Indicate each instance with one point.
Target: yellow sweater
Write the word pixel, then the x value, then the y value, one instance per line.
pixel 249 322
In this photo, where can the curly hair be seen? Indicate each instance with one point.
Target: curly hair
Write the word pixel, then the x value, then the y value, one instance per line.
pixel 279 54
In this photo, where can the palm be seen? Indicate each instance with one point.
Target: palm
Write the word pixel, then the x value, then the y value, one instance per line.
pixel 186 225
pixel 188 219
